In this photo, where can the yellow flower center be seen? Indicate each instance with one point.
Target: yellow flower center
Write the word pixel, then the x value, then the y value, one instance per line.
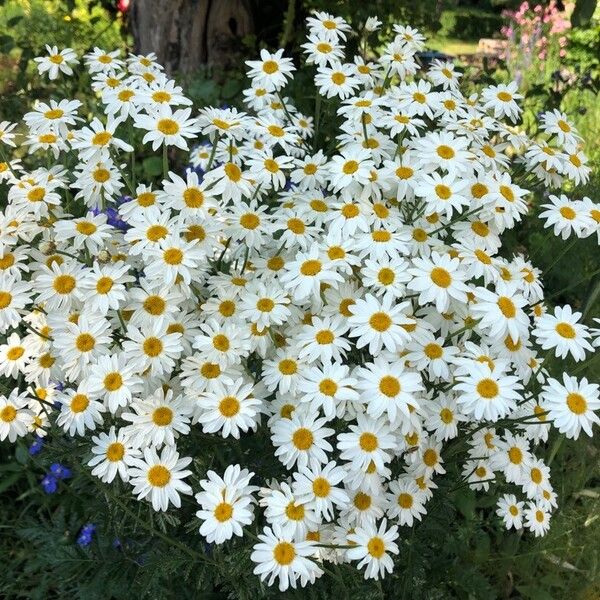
pixel 115 452
pixel 445 152
pixel 54 113
pixel 101 175
pixel 376 547
pixel 338 78
pixel 389 386
pixel 430 457
pixel 125 95
pixel 36 194
pixel 568 213
pixel 5 299
pixel 152 347
pixel 168 127
pixel 566 330
pixel 104 285
pixel 405 500
pixel 223 512
pixel 324 337
pixel 296 226
pixel 446 415
pixel 507 193
pixel 310 268
pixel 368 442
pixel 113 381
pixel 85 342
pixel 159 476
pixel 381 236
pixel 173 256
pixel 284 553
pixel 288 367
pixel 270 67
pixel 162 416
pixel 380 321
pixel 102 138
pixel 303 438
pixel 8 413
pixel 161 96
pixel 154 305
pixel 146 199
pixel 86 228
pixel 221 342
pixel 433 351
pixel 443 191
pixel 79 403
pixel 362 501
pixel 441 277
pixel 487 388
pixel 515 455
pixel 576 403
pixel 507 307
pixel 328 387
pixel 350 167
pixel 229 406
pixel 193 198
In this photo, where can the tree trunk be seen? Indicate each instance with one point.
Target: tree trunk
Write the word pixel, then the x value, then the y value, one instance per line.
pixel 189 34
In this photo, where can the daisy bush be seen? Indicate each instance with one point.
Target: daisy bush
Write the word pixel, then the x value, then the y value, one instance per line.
pixel 301 339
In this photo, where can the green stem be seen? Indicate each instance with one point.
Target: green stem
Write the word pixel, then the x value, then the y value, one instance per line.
pixel 557 259
pixel 364 128
pixel 213 152
pixel 148 527
pixel 460 217
pixel 317 119
pixel 131 141
pixel 34 330
pixel 220 260
pixel 165 160
pixel 567 288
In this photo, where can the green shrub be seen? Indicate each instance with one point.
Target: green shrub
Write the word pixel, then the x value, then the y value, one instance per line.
pixel 469 23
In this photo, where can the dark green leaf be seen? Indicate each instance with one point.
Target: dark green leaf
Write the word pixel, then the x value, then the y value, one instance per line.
pixel 152 166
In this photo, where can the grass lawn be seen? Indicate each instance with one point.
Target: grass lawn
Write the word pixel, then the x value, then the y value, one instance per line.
pixel 452 46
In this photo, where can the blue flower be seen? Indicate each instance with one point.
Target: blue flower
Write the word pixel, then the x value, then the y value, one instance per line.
pixel 60 471
pixel 49 483
pixel 86 535
pixel 36 446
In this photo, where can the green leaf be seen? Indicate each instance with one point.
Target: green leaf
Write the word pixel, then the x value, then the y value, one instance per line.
pixel 14 20
pixel 465 502
pixel 21 454
pixel 8 480
pixel 6 43
pixel 152 166
pixel 583 12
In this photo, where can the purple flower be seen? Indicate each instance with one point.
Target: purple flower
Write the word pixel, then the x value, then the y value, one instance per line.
pixel 36 446
pixel 49 483
pixel 60 471
pixel 86 535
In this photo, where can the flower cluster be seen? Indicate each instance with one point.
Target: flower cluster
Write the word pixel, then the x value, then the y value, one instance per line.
pixel 343 300
pixel 535 33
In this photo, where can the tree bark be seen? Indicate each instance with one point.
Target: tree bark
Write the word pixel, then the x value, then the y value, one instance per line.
pixel 189 34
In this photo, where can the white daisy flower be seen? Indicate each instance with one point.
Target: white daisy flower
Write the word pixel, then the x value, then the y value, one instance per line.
pixel 160 477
